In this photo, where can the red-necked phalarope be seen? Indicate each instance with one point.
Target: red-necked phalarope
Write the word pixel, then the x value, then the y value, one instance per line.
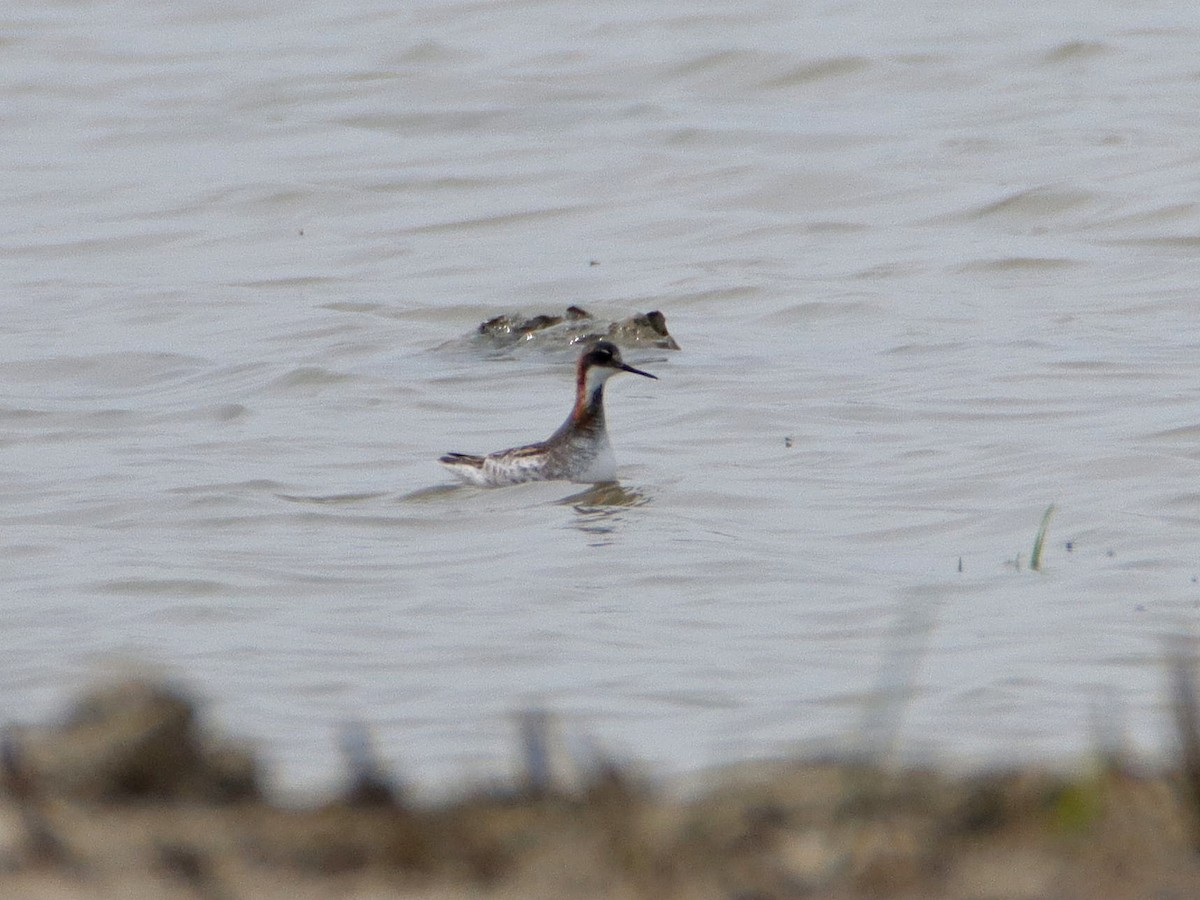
pixel 578 451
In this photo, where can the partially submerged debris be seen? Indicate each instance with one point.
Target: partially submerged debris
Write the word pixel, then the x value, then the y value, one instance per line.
pixel 578 326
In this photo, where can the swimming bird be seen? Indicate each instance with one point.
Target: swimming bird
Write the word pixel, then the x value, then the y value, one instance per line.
pixel 578 451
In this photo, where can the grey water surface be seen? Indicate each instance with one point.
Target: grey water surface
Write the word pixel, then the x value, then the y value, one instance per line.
pixel 933 267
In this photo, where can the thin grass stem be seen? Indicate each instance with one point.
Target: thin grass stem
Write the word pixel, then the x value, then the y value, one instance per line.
pixel 1039 542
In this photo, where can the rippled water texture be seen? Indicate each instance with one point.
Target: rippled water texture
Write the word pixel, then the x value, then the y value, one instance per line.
pixel 930 273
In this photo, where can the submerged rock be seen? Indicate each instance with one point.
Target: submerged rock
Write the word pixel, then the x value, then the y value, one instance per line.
pixel 650 328
pixel 577 326
pixel 516 325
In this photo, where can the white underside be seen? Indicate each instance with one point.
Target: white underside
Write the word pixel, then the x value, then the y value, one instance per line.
pixel 600 465
pixel 585 464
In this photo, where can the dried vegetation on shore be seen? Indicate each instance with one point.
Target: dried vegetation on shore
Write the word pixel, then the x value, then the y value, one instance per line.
pixel 130 797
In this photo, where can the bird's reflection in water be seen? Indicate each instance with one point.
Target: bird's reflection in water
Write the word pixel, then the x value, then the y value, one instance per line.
pixel 601 507
pixel 436 492
pixel 331 498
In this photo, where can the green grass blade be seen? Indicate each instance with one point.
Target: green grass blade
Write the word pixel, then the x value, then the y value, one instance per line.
pixel 1035 558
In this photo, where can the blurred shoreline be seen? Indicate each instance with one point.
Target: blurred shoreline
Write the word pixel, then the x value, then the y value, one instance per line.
pixel 133 795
